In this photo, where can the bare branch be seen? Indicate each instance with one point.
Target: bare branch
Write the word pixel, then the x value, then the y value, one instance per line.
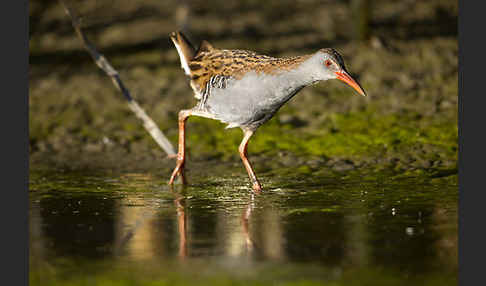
pixel 103 64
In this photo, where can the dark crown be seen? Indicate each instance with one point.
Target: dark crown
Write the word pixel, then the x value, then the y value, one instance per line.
pixel 334 55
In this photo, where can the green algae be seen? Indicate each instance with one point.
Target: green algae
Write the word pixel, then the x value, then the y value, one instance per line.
pixel 154 275
pixel 355 135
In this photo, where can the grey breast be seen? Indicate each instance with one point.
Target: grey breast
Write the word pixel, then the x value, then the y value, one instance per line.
pixel 251 100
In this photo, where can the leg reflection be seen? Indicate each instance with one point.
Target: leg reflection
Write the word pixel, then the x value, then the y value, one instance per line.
pixel 253 249
pixel 244 224
pixel 181 222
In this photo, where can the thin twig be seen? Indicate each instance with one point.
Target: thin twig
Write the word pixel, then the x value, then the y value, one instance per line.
pixel 103 64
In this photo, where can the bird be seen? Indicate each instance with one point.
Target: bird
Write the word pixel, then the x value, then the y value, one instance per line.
pixel 245 89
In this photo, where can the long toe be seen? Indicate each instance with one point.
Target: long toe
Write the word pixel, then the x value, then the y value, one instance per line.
pixel 172 178
pixel 174 175
pixel 178 173
pixel 257 187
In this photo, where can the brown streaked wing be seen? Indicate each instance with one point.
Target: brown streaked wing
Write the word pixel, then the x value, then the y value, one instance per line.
pixel 210 62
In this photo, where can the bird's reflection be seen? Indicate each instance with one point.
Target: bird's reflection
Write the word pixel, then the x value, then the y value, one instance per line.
pixel 149 231
pixel 244 223
pixel 179 203
pixel 182 222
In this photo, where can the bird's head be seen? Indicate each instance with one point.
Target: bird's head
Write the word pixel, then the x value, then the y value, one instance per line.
pixel 331 66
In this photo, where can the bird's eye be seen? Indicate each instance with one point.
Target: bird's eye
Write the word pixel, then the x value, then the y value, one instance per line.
pixel 327 63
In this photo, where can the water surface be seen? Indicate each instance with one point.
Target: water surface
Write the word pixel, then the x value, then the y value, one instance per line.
pixel 307 228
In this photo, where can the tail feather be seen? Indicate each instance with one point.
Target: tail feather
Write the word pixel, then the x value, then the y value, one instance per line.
pixel 184 48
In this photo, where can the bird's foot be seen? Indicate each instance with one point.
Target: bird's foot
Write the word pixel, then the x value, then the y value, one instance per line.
pixel 257 188
pixel 178 172
pixel 172 156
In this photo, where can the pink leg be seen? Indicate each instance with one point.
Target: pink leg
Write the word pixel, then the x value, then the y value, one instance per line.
pixel 242 149
pixel 181 154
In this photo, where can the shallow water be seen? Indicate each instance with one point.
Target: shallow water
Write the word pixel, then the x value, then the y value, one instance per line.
pixel 306 229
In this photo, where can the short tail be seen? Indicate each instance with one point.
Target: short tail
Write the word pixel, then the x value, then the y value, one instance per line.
pixel 184 48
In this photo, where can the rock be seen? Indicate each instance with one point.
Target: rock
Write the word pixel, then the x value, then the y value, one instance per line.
pixel 343 165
